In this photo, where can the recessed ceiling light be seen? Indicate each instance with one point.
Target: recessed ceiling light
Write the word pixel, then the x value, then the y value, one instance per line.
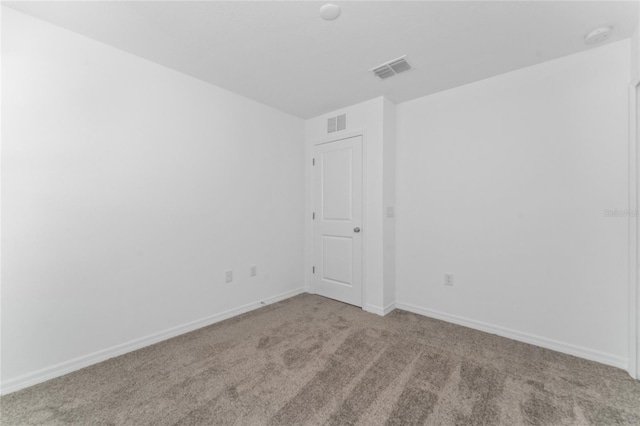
pixel 329 12
pixel 598 35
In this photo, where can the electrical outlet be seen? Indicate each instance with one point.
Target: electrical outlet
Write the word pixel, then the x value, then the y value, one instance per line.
pixel 228 276
pixel 448 279
pixel 254 270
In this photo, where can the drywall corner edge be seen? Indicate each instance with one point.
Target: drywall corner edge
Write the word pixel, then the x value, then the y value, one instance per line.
pixel 381 311
pixel 633 367
pixel 634 263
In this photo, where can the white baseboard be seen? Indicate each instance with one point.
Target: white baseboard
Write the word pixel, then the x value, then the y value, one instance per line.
pixel 378 310
pixel 66 367
pixel 586 353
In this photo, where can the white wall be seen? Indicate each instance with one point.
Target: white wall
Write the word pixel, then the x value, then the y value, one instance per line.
pixel 504 183
pixel 634 195
pixel 127 190
pixel 635 54
pixel 389 131
pixel 368 117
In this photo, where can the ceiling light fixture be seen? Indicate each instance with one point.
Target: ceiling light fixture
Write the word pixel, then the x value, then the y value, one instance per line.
pixel 598 35
pixel 329 12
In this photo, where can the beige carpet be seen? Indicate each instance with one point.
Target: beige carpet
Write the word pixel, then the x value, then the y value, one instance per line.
pixel 310 360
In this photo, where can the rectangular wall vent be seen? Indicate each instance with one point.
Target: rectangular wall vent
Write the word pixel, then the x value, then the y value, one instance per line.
pixel 335 124
pixel 391 68
pixel 332 124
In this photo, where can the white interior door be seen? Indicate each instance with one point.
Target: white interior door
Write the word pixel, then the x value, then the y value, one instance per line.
pixel 338 220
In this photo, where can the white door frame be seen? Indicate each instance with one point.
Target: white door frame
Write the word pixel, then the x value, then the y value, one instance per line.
pixel 634 228
pixel 365 225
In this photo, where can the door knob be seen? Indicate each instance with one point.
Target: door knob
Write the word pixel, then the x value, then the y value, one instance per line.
pixel 356 229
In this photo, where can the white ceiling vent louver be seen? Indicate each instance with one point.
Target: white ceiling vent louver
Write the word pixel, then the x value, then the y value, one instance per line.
pixel 391 68
pixel 383 72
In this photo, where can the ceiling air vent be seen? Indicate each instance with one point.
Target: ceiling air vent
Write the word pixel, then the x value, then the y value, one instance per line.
pixel 391 68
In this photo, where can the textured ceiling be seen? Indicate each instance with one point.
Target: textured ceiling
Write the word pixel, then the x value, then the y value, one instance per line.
pixel 282 54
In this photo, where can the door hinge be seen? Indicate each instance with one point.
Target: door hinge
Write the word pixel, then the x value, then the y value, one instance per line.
pixel 313 215
pixel 313 269
pixel 313 162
